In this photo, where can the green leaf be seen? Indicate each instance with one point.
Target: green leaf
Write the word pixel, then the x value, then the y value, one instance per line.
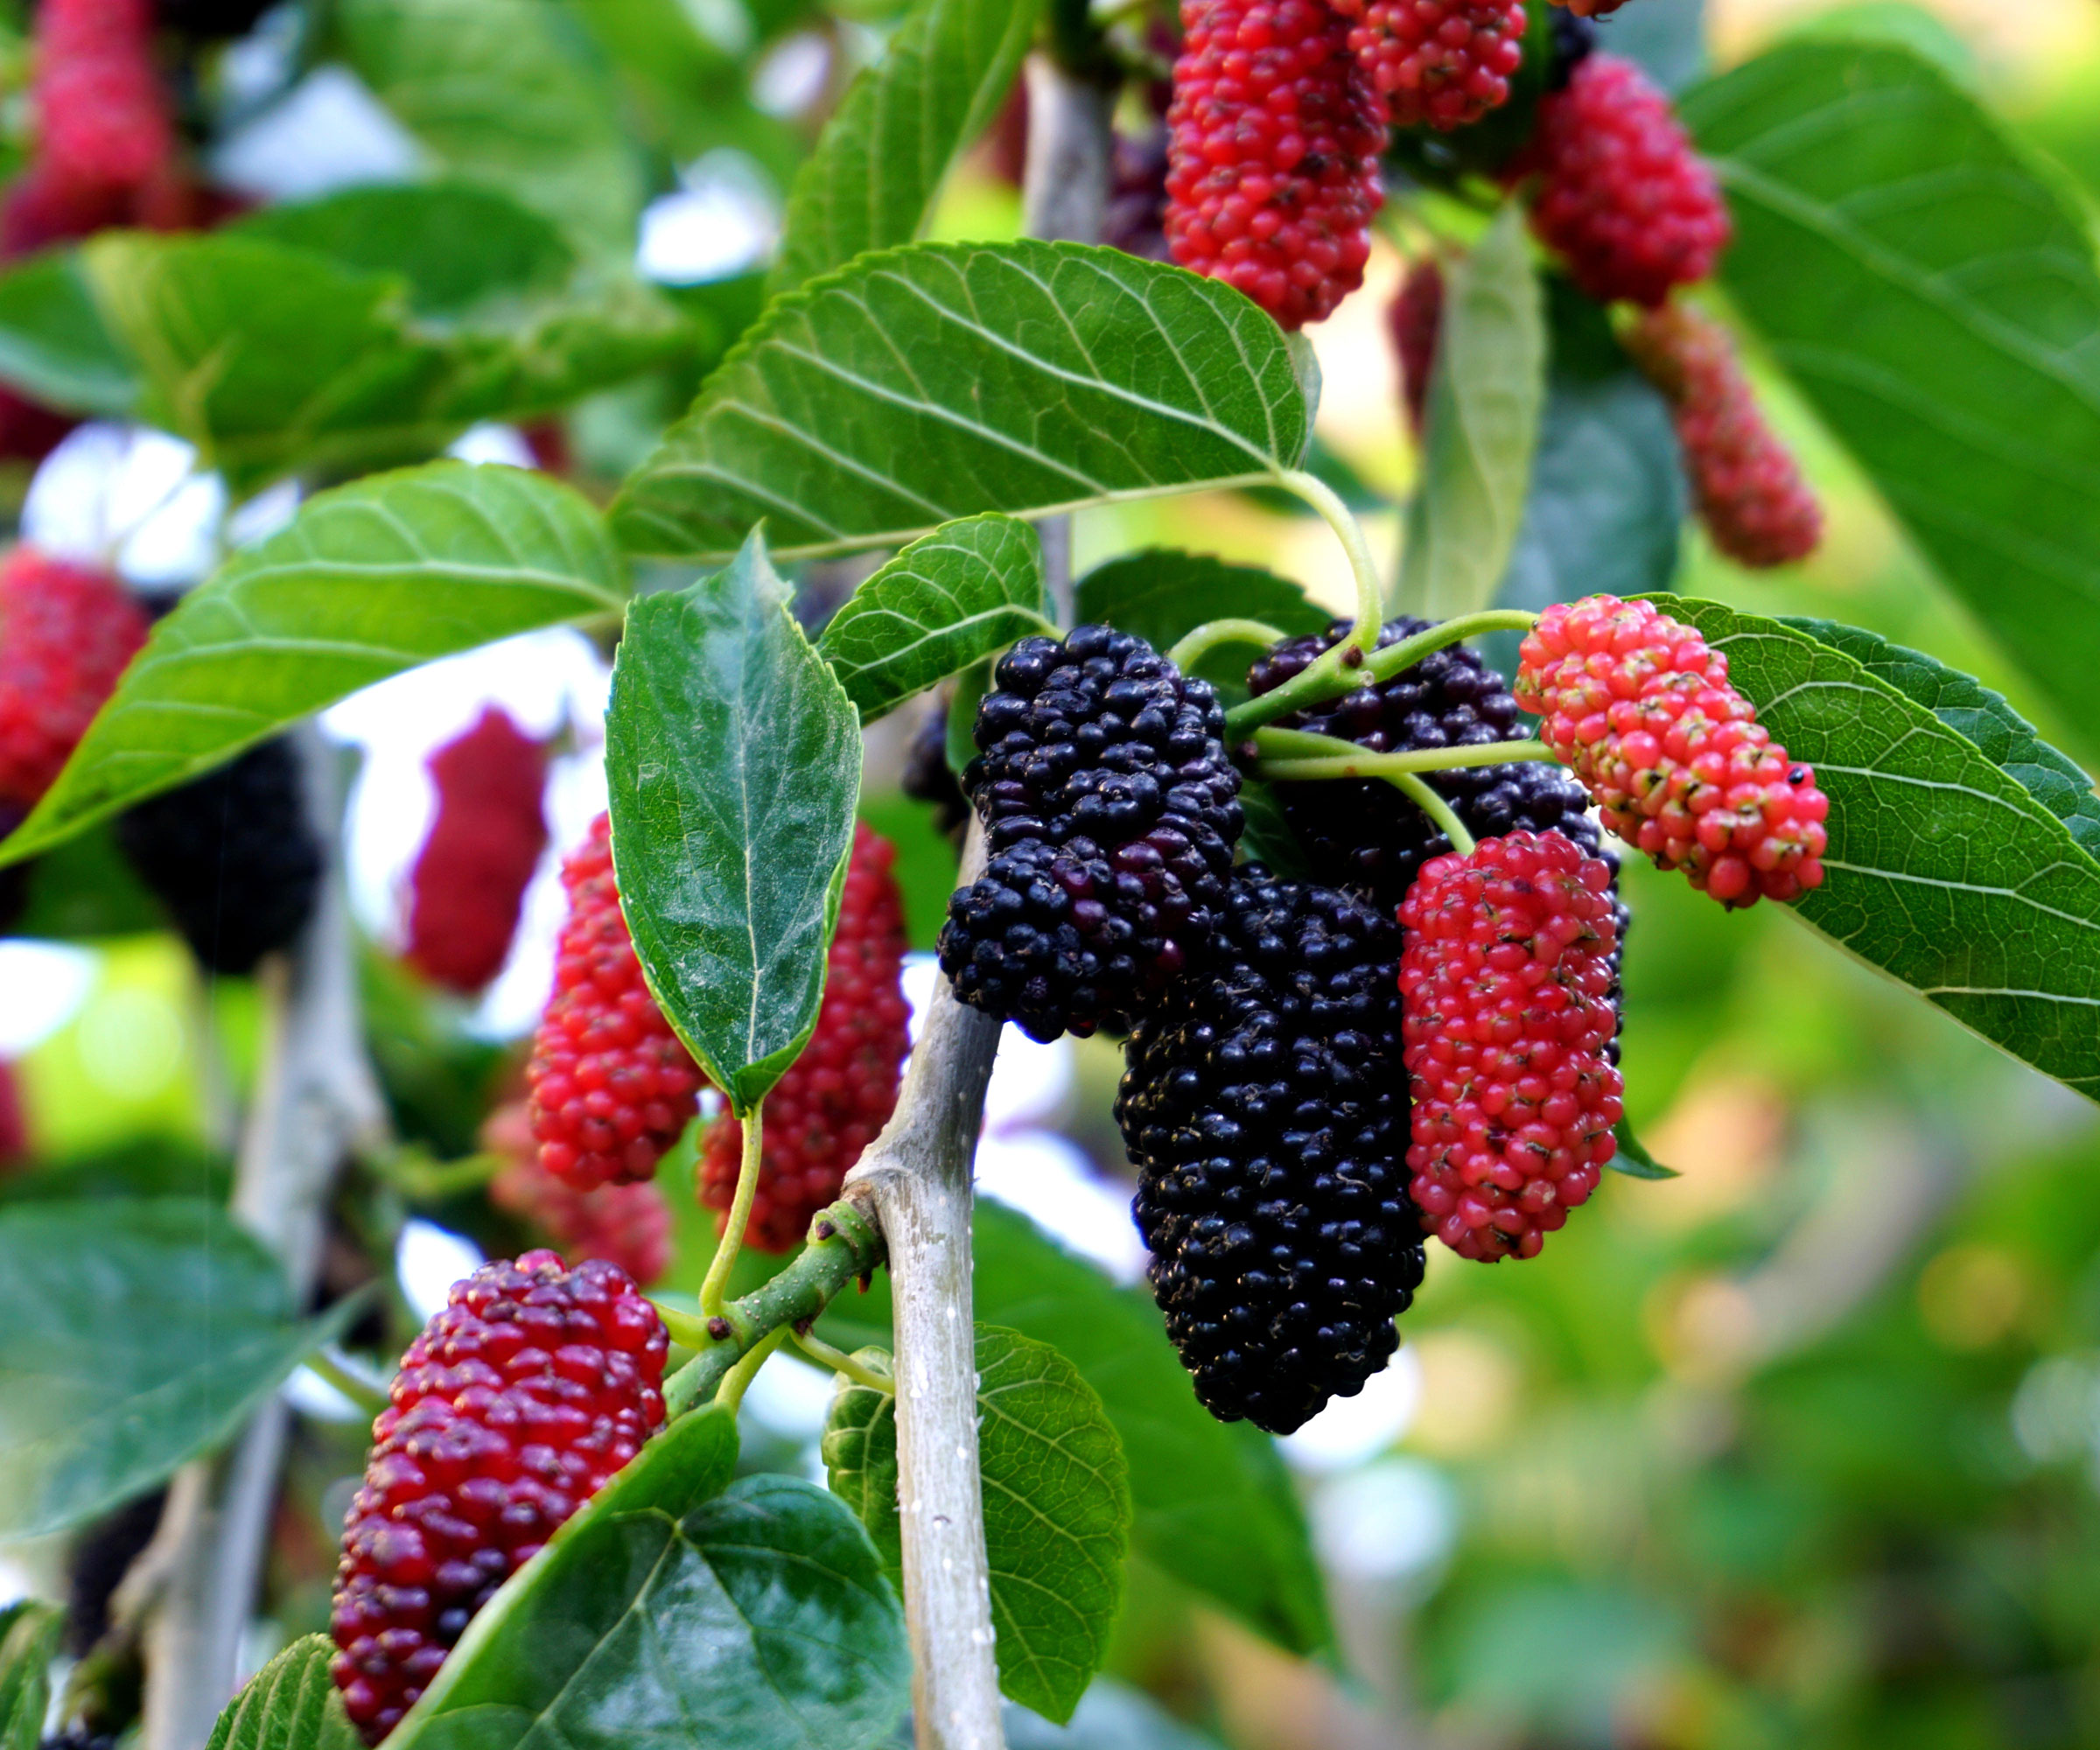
pixel 1935 296
pixel 1057 1509
pixel 54 346
pixel 1162 595
pixel 367 580
pixel 1267 838
pixel 1633 1159
pixel 511 93
pixel 878 166
pixel 960 594
pixel 133 1336
pixel 1942 870
pixel 413 229
pixel 1966 705
pixel 942 380
pixel 1485 398
pixel 971 685
pixel 271 358
pixel 1213 1506
pixel 291 1704
pixel 84 890
pixel 29 1639
pixel 673 1610
pixel 732 757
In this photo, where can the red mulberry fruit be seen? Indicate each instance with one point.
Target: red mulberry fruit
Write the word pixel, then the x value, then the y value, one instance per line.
pixel 839 1093
pixel 14 1128
pixel 1505 982
pixel 66 634
pixel 1272 172
pixel 1110 811
pixel 515 1405
pixel 233 855
pixel 1442 64
pixel 1674 756
pixel 627 1225
pixel 485 840
pixel 102 120
pixel 1264 1106
pixel 612 1085
pixel 1415 319
pixel 1750 492
pixel 1618 191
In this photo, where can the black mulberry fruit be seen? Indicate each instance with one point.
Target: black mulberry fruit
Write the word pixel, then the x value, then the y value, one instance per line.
pixel 1111 813
pixel 1265 1109
pixel 233 855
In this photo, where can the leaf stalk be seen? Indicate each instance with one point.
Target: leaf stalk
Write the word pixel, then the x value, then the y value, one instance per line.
pixel 715 1285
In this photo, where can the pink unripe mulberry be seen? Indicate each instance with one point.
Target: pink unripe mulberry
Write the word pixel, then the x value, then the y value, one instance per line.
pixel 1618 190
pixel 1272 173
pixel 1441 64
pixel 66 634
pixel 1748 488
pixel 612 1085
pixel 1415 320
pixel 469 880
pixel 1505 982
pixel 1643 711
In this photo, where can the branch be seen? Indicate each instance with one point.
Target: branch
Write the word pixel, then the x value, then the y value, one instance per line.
pixel 315 1098
pixel 916 1177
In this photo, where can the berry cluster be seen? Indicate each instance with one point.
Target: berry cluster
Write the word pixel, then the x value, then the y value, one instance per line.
pixel 1641 709
pixel 627 1225
pixel 1617 188
pixel 66 634
pixel 1442 64
pixel 1110 811
pixel 470 879
pixel 1505 982
pixel 1135 220
pixel 514 1406
pixel 1749 489
pixel 838 1094
pixel 103 126
pixel 1359 833
pixel 612 1085
pixel 233 855
pixel 1273 174
pixel 1264 1107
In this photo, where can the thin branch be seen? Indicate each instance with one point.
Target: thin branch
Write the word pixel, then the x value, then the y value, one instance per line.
pixel 315 1101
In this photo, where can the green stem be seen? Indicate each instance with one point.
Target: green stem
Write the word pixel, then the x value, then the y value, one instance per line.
pixel 412 1172
pixel 1435 808
pixel 843 1246
pixel 730 1393
pixel 1370 596
pixel 1299 756
pixel 839 1361
pixel 687 1330
pixel 716 1282
pixel 1332 675
pixel 364 1390
pixel 1206 638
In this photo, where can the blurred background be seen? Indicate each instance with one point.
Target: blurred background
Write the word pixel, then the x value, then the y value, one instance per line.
pixel 1802 1447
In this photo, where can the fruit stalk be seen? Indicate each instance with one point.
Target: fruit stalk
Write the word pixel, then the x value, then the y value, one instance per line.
pixel 316 1101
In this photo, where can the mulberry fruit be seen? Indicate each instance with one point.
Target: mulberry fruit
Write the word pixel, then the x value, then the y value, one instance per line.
pixel 515 1405
pixel 838 1094
pixel 1110 813
pixel 14 1128
pixel 1415 319
pixel 1642 710
pixel 612 1085
pixel 627 1225
pixel 66 634
pixel 1506 982
pixel 1618 191
pixel 1136 220
pixel 1362 834
pixel 1442 64
pixel 469 882
pixel 1264 1106
pixel 1749 489
pixel 103 123
pixel 1574 40
pixel 929 778
pixel 1272 175
pixel 1591 8
pixel 233 855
